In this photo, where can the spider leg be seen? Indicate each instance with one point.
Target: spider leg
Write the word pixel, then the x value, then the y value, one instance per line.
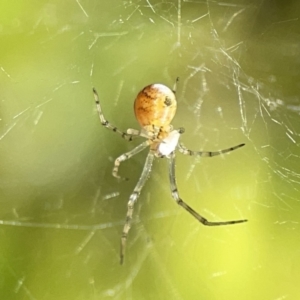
pixel 126 135
pixel 175 85
pixel 126 156
pixel 132 199
pixel 186 151
pixel 180 202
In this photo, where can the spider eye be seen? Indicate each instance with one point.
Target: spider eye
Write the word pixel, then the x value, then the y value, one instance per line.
pixel 168 101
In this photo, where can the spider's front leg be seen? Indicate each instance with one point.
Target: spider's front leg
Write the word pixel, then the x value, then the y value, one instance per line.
pixel 180 202
pixel 129 135
pixel 132 199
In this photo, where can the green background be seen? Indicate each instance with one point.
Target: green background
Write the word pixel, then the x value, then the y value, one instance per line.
pixel 61 211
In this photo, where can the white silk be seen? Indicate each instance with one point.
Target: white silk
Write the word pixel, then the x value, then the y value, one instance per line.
pixel 168 145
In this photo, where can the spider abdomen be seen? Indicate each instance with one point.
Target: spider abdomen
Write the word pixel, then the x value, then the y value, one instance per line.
pixel 155 105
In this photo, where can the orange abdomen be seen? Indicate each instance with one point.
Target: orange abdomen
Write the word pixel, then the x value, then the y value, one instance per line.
pixel 155 105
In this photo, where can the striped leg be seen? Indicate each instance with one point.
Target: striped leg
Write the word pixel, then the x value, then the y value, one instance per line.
pixel 132 199
pixel 186 151
pixel 126 156
pixel 126 135
pixel 180 202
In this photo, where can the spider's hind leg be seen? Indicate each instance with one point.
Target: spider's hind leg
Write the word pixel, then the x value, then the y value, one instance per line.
pixel 180 202
pixel 132 199
pixel 187 151
pixel 126 156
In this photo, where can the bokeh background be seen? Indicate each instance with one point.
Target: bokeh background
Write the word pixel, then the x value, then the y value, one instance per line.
pixel 61 211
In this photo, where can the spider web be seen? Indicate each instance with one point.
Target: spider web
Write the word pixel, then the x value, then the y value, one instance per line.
pixel 62 212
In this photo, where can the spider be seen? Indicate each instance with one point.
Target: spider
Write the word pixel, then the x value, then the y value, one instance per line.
pixel 155 107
